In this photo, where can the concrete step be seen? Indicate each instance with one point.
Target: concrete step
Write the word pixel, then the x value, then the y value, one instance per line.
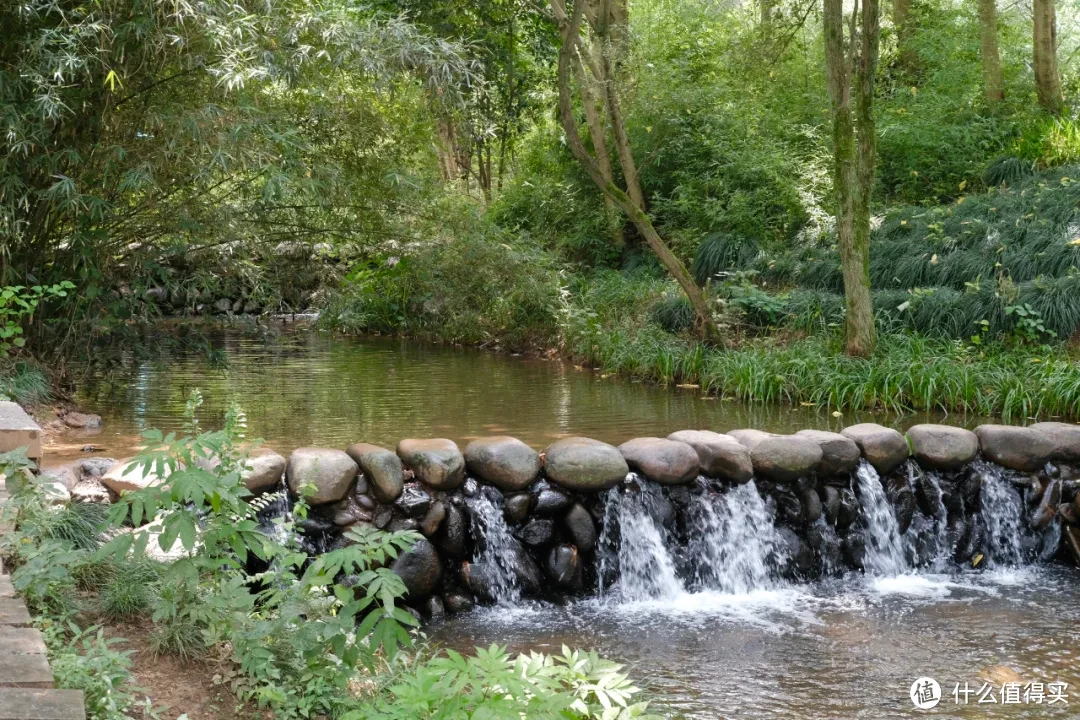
pixel 13 613
pixel 7 591
pixel 22 704
pixel 24 671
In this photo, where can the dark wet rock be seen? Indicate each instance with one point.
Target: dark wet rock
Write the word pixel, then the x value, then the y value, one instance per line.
pixel 458 602
pixel 839 454
pixel 470 487
pixel 330 472
pixel 1064 437
pixel 404 524
pixel 383 516
pixel 550 501
pixel 346 512
pixel 927 496
pixel 811 507
pixel 749 438
pixel 564 566
pixel 537 532
pixel 420 568
pixel 883 447
pixel 971 544
pixel 849 509
pixel 902 497
pixel 969 488
pixel 580 526
pixel 788 506
pixel 505 462
pixel 1070 537
pixel 826 545
pixel 800 557
pixel 1067 513
pixel 364 501
pixel 492 495
pixel 452 536
pixel 314 525
pixel 584 465
pixel 853 548
pixel 957 535
pixel 719 456
pixel 785 458
pixel 516 508
pixel 1047 509
pixel 668 462
pixel 362 486
pixel 830 503
pixel 382 467
pixel 942 447
pixel 435 608
pixel 414 501
pixel 1017 448
pixel 436 462
pixel 479 576
pixel 433 519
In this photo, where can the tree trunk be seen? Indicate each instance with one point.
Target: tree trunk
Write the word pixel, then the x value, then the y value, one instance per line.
pixel 993 86
pixel 568 54
pixel 446 149
pixel 1047 79
pixel 598 133
pixel 853 165
pixel 901 15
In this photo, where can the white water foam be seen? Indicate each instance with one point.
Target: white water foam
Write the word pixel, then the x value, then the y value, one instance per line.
pixel 884 552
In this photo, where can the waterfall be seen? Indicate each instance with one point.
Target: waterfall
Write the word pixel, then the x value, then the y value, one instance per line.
pixel 733 540
pixel 1000 509
pixel 495 549
pixel 927 540
pixel 646 568
pixel 884 552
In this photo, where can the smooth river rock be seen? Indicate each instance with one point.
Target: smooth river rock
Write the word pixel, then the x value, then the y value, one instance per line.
pixel 505 462
pixel 839 454
pixel 382 467
pixel 420 569
pixel 581 528
pixel 262 471
pixel 129 475
pixel 785 458
pixel 719 456
pixel 1017 448
pixel 1065 438
pixel 942 447
pixel 330 472
pixel 750 437
pixel 436 462
pixel 668 462
pixel 584 464
pixel 883 447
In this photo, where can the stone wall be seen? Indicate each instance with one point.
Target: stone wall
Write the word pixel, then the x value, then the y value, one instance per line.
pixel 553 502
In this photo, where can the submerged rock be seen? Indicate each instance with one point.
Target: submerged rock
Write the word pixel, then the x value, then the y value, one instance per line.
pixel 839 454
pixel 436 462
pixel 785 458
pixel 1017 448
pixel 719 456
pixel 420 569
pixel 1064 437
pixel 584 464
pixel 902 497
pixel 382 467
pixel 564 566
pixel 883 447
pixel 453 533
pixel 330 472
pixel 853 548
pixel 849 509
pixel 414 500
pixel 505 462
pixel 668 462
pixel 830 502
pixel 458 602
pixel 942 447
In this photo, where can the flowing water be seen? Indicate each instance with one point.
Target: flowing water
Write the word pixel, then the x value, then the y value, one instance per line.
pixel 495 548
pixel 699 613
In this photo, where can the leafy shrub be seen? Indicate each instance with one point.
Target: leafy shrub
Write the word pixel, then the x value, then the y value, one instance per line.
pixel 673 313
pixel 720 252
pixel 85 660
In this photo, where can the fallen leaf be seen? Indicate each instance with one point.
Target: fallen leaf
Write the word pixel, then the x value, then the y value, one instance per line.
pixel 837 413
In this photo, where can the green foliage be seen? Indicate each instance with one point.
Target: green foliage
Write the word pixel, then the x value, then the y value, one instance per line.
pixel 673 313
pixel 85 660
pixel 18 304
pixel 494 684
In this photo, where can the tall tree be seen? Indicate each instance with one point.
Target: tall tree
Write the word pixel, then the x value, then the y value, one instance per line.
pixel 1047 79
pixel 850 69
pixel 596 57
pixel 993 86
pixel 901 17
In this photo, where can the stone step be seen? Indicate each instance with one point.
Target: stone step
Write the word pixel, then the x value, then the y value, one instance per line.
pixel 24 671
pixel 21 641
pixel 13 613
pixel 23 704
pixel 7 590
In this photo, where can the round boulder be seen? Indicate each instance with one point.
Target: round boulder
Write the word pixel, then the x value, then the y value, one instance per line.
pixel 262 471
pixel 505 462
pixel 1017 448
pixel 749 437
pixel 382 467
pixel 667 462
pixel 883 447
pixel 1065 438
pixel 437 462
pixel 420 569
pixel 330 472
pixel 839 454
pixel 719 456
pixel 785 458
pixel 129 475
pixel 583 464
pixel 942 447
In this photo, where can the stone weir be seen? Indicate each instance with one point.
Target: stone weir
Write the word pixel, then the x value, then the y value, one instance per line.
pixel 702 510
